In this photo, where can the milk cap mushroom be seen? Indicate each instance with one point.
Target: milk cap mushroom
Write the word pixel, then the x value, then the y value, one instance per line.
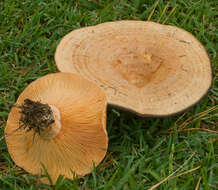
pixel 146 67
pixel 62 126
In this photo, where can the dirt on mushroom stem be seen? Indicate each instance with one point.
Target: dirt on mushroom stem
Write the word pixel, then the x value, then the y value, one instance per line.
pixel 35 116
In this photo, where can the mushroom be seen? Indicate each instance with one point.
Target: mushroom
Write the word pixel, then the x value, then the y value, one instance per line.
pixel 146 67
pixel 58 124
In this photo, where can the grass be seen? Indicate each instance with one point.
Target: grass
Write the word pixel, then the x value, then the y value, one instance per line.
pixel 177 153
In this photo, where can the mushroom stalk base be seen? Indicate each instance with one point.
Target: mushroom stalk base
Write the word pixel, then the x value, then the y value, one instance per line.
pixel 43 119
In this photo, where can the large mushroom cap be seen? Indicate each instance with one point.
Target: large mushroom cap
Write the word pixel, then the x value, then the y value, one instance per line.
pixel 82 139
pixel 149 68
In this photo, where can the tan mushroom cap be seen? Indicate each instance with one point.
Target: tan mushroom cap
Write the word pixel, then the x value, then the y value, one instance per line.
pixel 146 67
pixel 82 140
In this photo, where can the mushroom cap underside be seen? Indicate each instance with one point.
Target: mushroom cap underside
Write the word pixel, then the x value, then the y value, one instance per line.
pixel 146 67
pixel 82 140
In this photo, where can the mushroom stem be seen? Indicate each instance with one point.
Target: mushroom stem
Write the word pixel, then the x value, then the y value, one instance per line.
pixel 43 119
pixel 54 128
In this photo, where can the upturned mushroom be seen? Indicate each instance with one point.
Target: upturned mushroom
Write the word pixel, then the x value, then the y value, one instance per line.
pixel 146 67
pixel 58 124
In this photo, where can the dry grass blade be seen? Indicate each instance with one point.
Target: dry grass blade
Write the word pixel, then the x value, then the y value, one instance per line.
pixel 171 12
pixel 209 117
pixel 106 162
pixel 198 184
pixel 164 10
pixel 200 129
pixel 206 112
pixel 179 119
pixel 190 120
pixel 170 176
pixel 152 12
pixel 202 115
pixel 186 172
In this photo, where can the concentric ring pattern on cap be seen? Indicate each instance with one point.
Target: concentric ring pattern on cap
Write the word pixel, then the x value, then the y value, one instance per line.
pixel 146 67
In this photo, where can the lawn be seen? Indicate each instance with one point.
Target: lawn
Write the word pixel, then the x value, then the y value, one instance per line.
pixel 177 152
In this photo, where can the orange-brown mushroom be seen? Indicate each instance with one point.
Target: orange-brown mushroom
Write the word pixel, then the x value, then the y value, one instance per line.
pixel 62 125
pixel 146 67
